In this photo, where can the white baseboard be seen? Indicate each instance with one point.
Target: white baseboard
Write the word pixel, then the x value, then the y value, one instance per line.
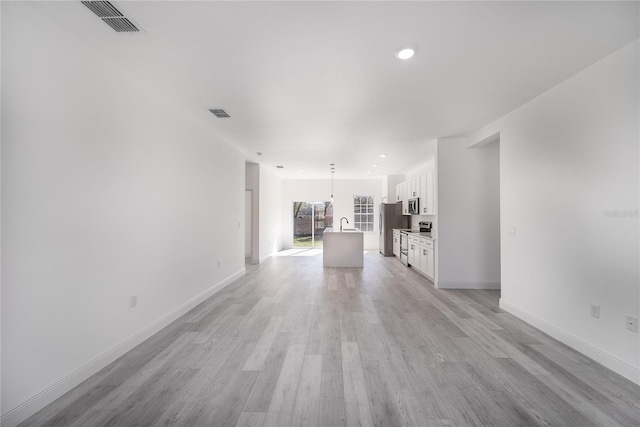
pixel 32 405
pixel 629 372
pixel 468 285
pixel 264 258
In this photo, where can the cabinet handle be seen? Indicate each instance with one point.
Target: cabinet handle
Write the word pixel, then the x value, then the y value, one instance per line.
pixel 424 252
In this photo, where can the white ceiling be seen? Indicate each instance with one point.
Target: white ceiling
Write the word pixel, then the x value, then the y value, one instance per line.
pixel 313 83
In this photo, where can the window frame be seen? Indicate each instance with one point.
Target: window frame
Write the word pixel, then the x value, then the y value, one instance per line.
pixel 364 210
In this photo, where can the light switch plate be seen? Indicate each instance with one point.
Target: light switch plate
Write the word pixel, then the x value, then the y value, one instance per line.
pixel 511 231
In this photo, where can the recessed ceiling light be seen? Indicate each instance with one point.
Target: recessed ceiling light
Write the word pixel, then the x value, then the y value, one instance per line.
pixel 300 170
pixel 383 155
pixel 368 171
pixel 375 165
pixel 405 53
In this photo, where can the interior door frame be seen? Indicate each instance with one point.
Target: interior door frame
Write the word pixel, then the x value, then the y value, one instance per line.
pixel 255 232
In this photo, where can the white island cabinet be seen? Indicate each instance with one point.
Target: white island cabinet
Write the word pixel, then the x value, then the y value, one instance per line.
pixel 343 248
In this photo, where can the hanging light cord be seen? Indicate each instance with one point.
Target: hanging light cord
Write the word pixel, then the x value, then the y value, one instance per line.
pixel 332 172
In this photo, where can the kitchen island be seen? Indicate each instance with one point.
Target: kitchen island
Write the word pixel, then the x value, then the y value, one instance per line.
pixel 343 248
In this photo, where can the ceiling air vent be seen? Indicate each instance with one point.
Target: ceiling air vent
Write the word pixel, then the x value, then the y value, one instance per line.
pixel 121 25
pixel 220 113
pixel 111 16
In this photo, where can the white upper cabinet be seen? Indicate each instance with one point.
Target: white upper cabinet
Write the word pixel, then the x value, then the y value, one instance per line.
pixel 421 187
pixel 415 187
pixel 427 190
pixel 405 188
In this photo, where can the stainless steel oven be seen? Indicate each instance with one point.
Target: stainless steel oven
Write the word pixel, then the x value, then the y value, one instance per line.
pixel 404 248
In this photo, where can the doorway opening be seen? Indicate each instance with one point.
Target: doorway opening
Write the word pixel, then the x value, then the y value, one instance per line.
pixel 309 221
pixel 248 229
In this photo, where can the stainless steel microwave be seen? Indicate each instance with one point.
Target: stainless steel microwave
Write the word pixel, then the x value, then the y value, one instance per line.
pixel 414 206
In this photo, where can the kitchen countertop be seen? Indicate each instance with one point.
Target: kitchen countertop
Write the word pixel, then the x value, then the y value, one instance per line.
pixel 419 234
pixel 415 233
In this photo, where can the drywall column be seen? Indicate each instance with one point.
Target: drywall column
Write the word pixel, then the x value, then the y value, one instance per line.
pixel 270 213
pixel 468 227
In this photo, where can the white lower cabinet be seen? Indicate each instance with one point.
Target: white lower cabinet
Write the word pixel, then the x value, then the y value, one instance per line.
pixel 418 265
pixel 413 253
pixel 421 255
pixel 426 255
pixel 429 269
pixel 396 243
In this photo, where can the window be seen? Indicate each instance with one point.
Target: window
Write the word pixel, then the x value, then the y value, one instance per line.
pixel 309 221
pixel 363 212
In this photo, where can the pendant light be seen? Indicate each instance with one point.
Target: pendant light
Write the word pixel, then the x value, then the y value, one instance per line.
pixel 332 172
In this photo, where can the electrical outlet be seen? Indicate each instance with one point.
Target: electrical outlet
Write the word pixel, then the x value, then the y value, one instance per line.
pixel 511 231
pixel 632 324
pixel 133 301
pixel 595 311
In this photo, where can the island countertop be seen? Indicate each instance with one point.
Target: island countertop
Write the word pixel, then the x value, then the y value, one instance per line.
pixel 345 230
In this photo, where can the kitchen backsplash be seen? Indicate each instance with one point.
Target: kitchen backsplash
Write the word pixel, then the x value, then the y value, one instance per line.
pixel 415 219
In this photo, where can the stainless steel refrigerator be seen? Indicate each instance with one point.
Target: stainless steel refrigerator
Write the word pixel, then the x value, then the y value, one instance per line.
pixel 391 217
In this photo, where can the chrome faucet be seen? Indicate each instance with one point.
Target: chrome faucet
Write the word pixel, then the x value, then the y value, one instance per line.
pixel 345 218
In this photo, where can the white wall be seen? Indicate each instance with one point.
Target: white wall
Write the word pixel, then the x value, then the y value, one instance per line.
pixel 568 158
pixel 468 230
pixel 107 191
pixel 270 213
pixel 320 191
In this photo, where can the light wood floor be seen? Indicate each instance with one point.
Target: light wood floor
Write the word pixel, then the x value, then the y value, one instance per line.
pixel 294 344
